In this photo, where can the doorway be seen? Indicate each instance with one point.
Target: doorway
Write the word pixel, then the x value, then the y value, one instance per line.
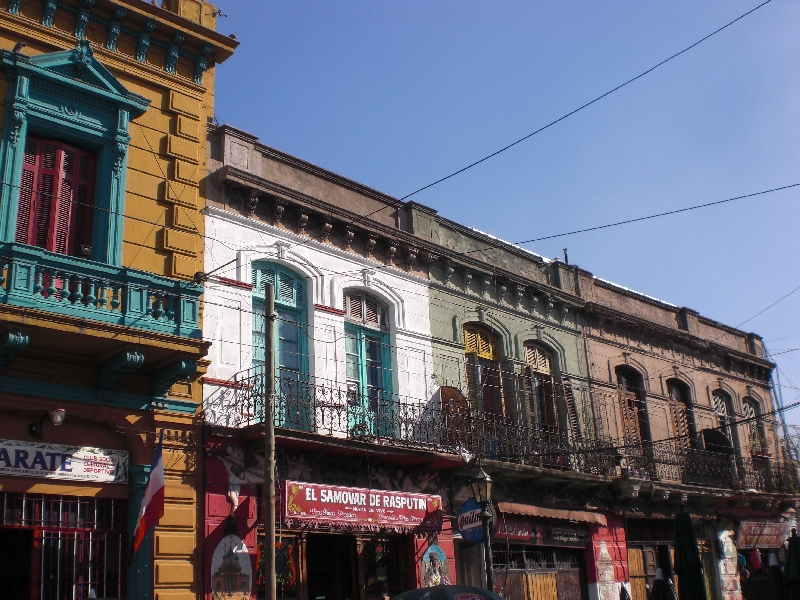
pixel 330 562
pixel 16 549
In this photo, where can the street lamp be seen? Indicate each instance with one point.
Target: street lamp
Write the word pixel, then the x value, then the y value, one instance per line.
pixel 482 490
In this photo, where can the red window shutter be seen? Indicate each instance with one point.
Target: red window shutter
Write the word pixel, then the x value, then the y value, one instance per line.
pixel 26 210
pixel 56 196
pixel 46 192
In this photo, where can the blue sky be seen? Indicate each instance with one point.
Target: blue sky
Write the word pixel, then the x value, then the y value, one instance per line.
pixel 398 94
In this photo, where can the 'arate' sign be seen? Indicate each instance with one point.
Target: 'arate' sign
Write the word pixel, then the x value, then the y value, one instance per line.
pixel 54 461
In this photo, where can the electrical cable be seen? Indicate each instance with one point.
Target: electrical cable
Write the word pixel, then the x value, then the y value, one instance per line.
pixel 580 108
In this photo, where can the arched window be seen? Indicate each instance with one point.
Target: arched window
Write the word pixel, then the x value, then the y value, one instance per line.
pixel 538 383
pixel 291 363
pixel 368 364
pixel 723 407
pixel 484 379
pixel 682 413
pixel 633 406
pixel 756 434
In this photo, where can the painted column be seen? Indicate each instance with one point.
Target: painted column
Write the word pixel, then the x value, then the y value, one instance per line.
pixel 727 564
pixel 140 569
pixel 607 559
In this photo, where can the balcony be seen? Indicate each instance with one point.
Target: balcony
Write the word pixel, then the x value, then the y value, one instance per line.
pixel 328 409
pixel 34 278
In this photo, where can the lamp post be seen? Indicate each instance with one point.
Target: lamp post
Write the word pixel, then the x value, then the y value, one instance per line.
pixel 482 490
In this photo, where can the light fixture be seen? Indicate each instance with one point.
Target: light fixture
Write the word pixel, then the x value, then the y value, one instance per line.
pixel 57 416
pixel 482 490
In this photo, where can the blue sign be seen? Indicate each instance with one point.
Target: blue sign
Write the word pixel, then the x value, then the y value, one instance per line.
pixel 469 521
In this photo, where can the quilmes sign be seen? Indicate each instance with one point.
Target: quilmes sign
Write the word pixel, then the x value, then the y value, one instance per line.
pixel 469 521
pixel 54 461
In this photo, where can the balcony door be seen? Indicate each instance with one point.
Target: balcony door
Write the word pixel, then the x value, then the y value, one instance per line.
pixel 292 401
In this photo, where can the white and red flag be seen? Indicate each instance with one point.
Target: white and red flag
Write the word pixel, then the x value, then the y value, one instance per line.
pixel 152 508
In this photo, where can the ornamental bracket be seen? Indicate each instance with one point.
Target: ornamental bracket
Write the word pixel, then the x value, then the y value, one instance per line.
pixel 112 369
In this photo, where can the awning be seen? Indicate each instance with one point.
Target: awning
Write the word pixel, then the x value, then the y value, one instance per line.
pixel 551 513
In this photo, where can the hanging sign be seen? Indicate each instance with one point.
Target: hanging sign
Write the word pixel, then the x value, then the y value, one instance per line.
pixel 761 534
pixel 360 508
pixel 54 461
pixel 469 521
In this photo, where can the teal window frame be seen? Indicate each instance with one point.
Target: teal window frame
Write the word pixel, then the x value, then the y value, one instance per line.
pixel 368 413
pixel 69 96
pixel 290 303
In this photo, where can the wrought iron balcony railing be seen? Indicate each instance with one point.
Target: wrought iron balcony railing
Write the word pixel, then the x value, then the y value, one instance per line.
pixel 35 278
pixel 329 409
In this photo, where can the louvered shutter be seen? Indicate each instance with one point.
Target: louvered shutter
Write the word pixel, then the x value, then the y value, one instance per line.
pixel 354 307
pixel 572 410
pixel 25 210
pixel 470 340
pixel 511 408
pixel 538 358
pixel 264 276
pixel 471 373
pixel 285 291
pixel 56 197
pixel 681 424
pixel 371 312
pixel 46 187
pixel 630 416
pixel 83 202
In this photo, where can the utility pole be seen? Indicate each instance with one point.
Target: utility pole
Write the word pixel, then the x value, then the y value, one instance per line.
pixel 269 443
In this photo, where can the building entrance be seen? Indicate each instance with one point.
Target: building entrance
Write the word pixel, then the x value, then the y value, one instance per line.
pixel 16 549
pixel 331 567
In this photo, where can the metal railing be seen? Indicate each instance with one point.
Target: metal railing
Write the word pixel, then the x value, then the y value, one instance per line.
pixel 330 409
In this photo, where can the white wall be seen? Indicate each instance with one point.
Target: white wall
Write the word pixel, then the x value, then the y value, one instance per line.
pixel 328 270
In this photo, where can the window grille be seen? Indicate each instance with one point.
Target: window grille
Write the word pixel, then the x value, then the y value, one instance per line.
pixel 77 549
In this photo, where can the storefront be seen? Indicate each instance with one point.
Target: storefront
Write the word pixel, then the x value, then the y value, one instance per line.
pixel 333 541
pixel 651 545
pixel 537 552
pixel 756 543
pixel 64 511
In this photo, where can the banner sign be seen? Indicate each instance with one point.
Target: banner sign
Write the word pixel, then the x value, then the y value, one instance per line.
pixel 761 534
pixel 360 508
pixel 540 534
pixel 54 461
pixel 470 525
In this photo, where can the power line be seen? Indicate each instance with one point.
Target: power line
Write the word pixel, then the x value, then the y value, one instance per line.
pixel 767 308
pixel 580 108
pixel 663 214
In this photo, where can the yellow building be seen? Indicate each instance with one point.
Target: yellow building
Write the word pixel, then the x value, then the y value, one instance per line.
pixel 101 165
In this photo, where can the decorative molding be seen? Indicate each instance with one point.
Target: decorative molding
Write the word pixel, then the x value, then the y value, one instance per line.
pixel 49 12
pixel 13 6
pixel 114 26
pixel 251 202
pixel 327 227
pixel 449 271
pixel 411 252
pixel 115 367
pixel 349 236
pixel 170 374
pixel 372 241
pixel 201 63
pixel 12 342
pixel 83 18
pixel 302 222
pixel 174 51
pixel 391 251
pixel 144 40
pixel 277 212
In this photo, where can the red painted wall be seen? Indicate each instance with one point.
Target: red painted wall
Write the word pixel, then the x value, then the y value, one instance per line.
pixel 616 543
pixel 217 509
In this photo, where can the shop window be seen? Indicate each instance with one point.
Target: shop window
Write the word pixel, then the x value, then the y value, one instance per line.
pixel 56 197
pixel 78 544
pixel 368 366
pixel 384 567
pixel 287 571
pixel 291 361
